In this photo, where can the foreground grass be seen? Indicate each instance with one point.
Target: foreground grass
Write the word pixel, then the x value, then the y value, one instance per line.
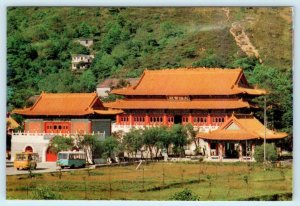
pixel 159 181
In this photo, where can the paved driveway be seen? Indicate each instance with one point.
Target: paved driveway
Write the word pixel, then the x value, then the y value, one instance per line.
pixel 41 168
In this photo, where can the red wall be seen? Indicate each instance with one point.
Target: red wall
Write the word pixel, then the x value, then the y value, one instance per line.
pixel 78 126
pixel 34 127
pixel 81 127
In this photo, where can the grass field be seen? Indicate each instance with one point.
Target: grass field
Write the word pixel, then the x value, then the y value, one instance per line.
pixel 159 181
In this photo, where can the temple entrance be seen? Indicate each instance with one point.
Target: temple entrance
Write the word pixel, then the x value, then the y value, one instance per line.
pixel 246 152
pixel 213 149
pixel 28 149
pixel 177 119
pixel 231 150
pixel 51 156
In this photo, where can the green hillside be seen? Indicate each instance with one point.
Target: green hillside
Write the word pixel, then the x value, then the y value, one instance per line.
pixel 40 42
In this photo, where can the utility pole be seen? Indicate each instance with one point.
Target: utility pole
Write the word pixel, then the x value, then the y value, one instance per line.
pixel 265 124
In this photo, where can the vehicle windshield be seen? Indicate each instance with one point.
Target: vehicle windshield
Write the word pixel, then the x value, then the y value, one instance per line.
pixel 62 156
pixel 35 157
pixel 21 157
pixel 25 157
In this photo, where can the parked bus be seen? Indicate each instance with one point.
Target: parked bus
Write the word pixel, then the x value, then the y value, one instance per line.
pixel 71 159
pixel 26 160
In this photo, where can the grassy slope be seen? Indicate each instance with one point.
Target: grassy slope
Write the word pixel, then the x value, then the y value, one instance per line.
pixel 202 32
pixel 204 28
pixel 271 33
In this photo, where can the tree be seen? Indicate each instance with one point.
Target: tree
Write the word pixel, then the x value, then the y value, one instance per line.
pixel 271 154
pixel 85 30
pixel 165 139
pixel 87 82
pixel 76 48
pixel 247 63
pixel 91 145
pixel 112 37
pixel 133 141
pixel 192 135
pixel 60 143
pixel 210 61
pixel 63 82
pixel 102 65
pixel 171 30
pixel 279 86
pixel 111 147
pixel 152 139
pixel 179 138
pixel 111 98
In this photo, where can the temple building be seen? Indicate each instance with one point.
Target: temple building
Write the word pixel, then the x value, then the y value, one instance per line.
pixel 205 98
pixel 237 138
pixel 64 114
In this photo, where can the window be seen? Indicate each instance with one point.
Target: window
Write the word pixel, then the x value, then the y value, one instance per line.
pixel 124 119
pixel 200 120
pixel 156 119
pixel 170 119
pixel 218 119
pixel 59 126
pixel 20 157
pixel 62 156
pixel 55 126
pixel 185 119
pixel 139 119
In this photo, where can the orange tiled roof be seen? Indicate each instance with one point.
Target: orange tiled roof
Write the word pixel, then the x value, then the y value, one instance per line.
pixel 109 112
pixel 248 128
pixel 189 81
pixel 63 104
pixel 168 104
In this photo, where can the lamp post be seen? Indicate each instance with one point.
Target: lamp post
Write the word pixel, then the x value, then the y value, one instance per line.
pixel 265 125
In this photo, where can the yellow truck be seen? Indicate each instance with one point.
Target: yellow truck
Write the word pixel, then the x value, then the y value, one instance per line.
pixel 26 160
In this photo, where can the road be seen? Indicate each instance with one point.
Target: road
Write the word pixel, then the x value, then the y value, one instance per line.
pixel 42 167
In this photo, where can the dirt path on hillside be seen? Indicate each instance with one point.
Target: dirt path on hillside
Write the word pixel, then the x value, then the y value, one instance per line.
pixel 241 38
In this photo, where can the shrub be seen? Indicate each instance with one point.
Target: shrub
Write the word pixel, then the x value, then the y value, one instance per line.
pixel 185 194
pixel 271 154
pixel 45 193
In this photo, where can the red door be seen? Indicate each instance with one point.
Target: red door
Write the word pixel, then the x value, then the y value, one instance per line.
pixel 50 155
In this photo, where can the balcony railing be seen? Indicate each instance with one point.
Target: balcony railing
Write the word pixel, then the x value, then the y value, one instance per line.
pixel 48 136
pixel 126 128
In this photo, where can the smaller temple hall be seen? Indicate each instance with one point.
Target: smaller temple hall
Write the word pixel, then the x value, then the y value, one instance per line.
pixel 64 114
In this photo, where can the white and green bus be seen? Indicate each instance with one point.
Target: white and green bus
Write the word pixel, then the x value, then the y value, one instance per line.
pixel 71 159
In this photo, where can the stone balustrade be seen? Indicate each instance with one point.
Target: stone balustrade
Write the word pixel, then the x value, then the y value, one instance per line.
pixel 126 128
